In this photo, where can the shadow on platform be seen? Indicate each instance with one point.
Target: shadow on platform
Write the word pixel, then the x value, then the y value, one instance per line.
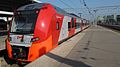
pixel 70 62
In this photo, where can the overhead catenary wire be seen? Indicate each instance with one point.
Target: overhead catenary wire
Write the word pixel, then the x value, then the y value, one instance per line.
pixel 84 3
pixel 109 6
pixel 72 2
pixel 74 6
pixel 87 8
pixel 66 4
pixel 80 1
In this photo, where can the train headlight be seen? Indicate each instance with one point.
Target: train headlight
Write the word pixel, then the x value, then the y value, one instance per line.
pixel 35 39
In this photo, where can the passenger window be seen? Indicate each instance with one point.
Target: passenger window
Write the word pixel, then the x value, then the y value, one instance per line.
pixel 69 26
pixel 76 25
pixel 72 22
pixel 57 25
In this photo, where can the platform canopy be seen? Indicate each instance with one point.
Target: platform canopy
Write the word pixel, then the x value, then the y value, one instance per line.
pixel 11 5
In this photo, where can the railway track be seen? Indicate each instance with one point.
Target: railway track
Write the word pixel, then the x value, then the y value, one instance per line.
pixel 116 29
pixel 2 60
pixel 3 63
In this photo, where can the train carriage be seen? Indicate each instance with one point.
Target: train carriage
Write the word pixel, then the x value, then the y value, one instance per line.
pixel 38 28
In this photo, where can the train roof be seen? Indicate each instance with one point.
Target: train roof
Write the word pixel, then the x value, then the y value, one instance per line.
pixel 72 14
pixel 31 6
pixel 40 5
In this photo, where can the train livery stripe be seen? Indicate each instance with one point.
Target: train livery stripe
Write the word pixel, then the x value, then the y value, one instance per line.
pixel 38 49
pixel 64 28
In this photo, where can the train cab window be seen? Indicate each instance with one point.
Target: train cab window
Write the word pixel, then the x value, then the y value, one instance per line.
pixel 57 26
pixel 69 26
pixel 72 22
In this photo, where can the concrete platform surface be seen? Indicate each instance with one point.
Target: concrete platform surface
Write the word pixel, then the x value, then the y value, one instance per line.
pixel 55 57
pixel 94 47
pixel 2 48
pixel 2 42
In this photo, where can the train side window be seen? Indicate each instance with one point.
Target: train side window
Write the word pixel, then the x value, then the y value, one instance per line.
pixel 57 25
pixel 72 22
pixel 76 25
pixel 69 26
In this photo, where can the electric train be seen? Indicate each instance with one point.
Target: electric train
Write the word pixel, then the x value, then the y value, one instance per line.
pixel 38 28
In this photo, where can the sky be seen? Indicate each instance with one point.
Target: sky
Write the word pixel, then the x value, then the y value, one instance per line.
pixel 78 6
pixel 78 3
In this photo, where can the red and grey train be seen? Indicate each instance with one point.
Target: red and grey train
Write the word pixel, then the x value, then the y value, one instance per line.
pixel 38 28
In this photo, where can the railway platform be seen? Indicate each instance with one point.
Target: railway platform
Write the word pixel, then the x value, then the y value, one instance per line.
pixel 95 47
pixel 3 36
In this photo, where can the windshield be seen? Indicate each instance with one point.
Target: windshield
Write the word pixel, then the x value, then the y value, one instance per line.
pixel 24 22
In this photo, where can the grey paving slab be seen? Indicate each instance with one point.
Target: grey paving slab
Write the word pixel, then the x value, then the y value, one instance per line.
pixel 94 47
pixel 100 47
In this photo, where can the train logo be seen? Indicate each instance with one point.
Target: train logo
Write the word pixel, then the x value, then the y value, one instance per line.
pixel 21 37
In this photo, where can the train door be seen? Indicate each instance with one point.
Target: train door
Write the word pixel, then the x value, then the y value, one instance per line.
pixel 81 25
pixel 72 26
pixel 56 28
pixel 64 28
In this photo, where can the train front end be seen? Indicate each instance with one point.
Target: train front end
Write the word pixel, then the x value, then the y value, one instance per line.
pixel 21 34
pixel 29 36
